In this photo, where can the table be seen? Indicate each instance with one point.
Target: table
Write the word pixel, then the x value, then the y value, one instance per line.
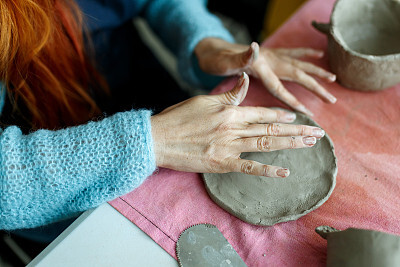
pixel 103 237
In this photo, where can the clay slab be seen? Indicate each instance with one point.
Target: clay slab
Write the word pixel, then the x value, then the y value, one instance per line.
pixel 266 201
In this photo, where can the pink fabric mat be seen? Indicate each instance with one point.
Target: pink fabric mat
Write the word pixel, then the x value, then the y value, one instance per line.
pixel 365 128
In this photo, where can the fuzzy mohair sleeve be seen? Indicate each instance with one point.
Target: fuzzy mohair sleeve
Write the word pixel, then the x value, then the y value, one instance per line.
pixel 47 176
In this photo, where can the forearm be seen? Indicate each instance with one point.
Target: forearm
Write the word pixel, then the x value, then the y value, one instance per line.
pixel 50 175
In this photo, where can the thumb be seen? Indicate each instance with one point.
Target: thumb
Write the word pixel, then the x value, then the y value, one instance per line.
pixel 247 57
pixel 236 95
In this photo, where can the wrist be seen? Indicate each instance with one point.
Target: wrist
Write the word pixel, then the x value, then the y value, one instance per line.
pixel 158 135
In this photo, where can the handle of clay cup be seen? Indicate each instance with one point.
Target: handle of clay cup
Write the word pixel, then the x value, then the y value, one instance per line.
pixel 322 27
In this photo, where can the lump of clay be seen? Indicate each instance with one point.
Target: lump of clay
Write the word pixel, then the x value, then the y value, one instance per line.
pixel 359 247
pixel 266 201
pixel 364 43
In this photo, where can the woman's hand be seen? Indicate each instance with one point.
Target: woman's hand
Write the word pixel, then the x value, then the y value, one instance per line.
pixel 219 57
pixel 208 134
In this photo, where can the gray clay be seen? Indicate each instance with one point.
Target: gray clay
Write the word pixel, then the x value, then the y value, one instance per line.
pixel 324 230
pixel 359 247
pixel 364 43
pixel 204 245
pixel 267 201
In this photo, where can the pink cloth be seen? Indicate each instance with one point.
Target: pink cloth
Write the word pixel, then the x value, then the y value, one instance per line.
pixel 365 128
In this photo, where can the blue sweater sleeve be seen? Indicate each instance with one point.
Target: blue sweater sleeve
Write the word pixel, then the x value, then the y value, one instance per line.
pixel 182 24
pixel 47 176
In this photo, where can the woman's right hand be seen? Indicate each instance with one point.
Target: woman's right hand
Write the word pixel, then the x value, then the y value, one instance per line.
pixel 208 134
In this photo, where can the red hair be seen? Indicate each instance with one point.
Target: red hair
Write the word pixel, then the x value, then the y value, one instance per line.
pixel 43 62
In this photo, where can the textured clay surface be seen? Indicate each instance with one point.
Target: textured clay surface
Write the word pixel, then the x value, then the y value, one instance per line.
pixel 266 201
pixel 364 43
pixel 204 245
pixel 373 28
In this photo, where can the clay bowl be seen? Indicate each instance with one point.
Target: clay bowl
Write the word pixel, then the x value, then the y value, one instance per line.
pixel 364 43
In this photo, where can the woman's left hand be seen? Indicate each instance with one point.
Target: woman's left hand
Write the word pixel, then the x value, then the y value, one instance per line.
pixel 219 57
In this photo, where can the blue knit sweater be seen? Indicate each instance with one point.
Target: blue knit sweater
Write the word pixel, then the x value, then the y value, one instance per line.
pixel 47 176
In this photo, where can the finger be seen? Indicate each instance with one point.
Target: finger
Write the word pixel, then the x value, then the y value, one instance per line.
pixel 300 52
pixel 299 76
pixel 256 168
pixel 276 88
pixel 277 129
pixel 272 143
pixel 312 69
pixel 236 95
pixel 246 58
pixel 237 62
pixel 266 115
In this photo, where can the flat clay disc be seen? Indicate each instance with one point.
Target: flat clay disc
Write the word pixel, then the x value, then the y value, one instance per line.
pixel 266 201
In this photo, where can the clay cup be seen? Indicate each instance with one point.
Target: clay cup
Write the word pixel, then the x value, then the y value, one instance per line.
pixel 360 247
pixel 364 43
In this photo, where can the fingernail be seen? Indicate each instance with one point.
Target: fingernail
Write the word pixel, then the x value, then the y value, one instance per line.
pixel 309 140
pixel 289 116
pixel 317 132
pixel 256 51
pixel 332 78
pixel 283 172
pixel 332 99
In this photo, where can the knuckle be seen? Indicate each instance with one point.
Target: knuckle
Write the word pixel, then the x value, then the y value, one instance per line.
pixel 279 115
pixel 224 127
pixel 222 109
pixel 247 167
pixel 297 73
pixel 212 160
pixel 229 113
pixel 292 142
pixel 266 170
pixel 320 72
pixel 273 129
pixel 264 143
pixel 278 90
pixel 210 152
pixel 259 114
pixel 314 85
pixel 292 61
pixel 301 130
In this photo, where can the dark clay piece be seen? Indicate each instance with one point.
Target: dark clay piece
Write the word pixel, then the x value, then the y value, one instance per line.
pixel 359 247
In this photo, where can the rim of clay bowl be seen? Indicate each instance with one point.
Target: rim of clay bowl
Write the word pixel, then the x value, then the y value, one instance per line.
pixel 337 36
